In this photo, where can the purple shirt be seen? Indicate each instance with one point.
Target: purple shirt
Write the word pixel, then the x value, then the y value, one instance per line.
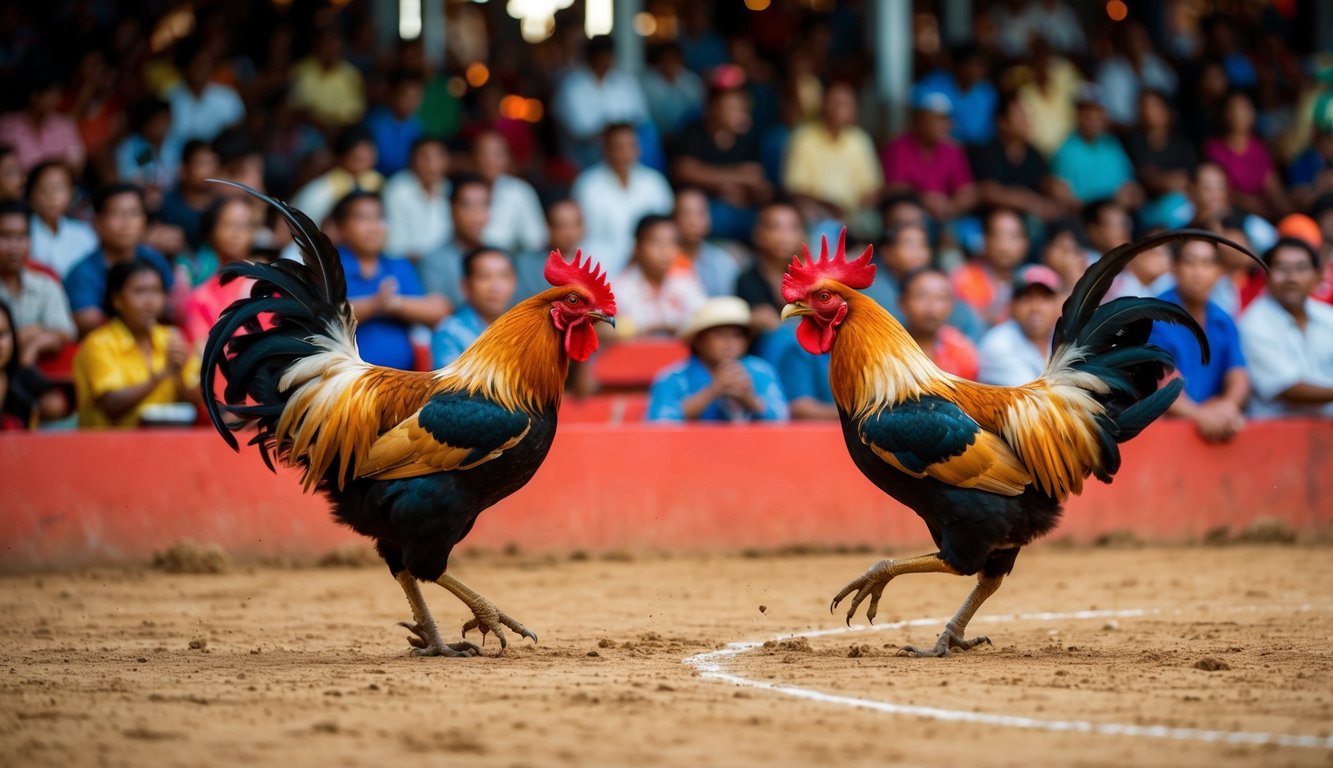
pixel 941 169
pixel 1246 171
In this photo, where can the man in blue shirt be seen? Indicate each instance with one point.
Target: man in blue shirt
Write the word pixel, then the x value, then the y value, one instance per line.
pixel 395 126
pixel 120 222
pixel 488 289
pixel 1091 162
pixel 1215 393
pixel 384 292
pixel 718 382
pixel 803 376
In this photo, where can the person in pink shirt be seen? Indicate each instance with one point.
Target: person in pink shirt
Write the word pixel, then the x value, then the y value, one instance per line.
pixel 926 161
pixel 229 233
pixel 1255 186
pixel 39 132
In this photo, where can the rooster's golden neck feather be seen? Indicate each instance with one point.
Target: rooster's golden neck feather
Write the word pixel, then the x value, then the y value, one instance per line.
pixel 519 361
pixel 875 362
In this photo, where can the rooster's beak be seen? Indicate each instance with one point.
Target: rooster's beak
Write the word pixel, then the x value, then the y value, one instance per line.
pixel 795 309
pixel 599 317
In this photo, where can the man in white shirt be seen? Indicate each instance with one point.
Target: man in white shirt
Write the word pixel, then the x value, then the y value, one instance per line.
pixel 516 223
pixel 1015 351
pixel 615 194
pixel 593 96
pixel 416 202
pixel 1287 337
pixel 201 109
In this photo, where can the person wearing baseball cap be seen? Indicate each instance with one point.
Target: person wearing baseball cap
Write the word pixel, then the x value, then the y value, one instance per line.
pixel 926 160
pixel 718 382
pixel 1015 351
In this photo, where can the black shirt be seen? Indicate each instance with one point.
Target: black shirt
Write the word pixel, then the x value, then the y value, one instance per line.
pixel 991 163
pixel 1175 155
pixel 695 141
pixel 26 388
pixel 752 286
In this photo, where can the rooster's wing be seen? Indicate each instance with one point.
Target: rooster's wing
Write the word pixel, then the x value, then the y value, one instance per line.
pixel 452 431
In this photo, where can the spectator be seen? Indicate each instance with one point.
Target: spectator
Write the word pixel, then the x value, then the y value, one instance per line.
pixel 718 382
pixel 327 86
pixel 353 170
pixel 395 126
pixel 11 174
pixel 1016 351
pixel 716 267
pixel 39 311
pixel 185 204
pixel 488 290
pixel 1010 171
pixel 120 222
pixel 228 236
pixel 201 109
pixel 1287 337
pixel 719 153
pixel 1130 71
pixel 984 283
pixel 58 241
pixel 564 220
pixel 1251 175
pixel 1051 21
pixel 803 376
pixel 1215 392
pixel 384 292
pixel 657 293
pixel 441 270
pixel 1148 274
pixel 516 222
pixel 1048 99
pixel 1064 253
pixel 616 194
pixel 778 234
pixel 1163 159
pixel 133 361
pixel 593 96
pixel 927 304
pixel 26 397
pixel 150 157
pixel 926 161
pixel 673 93
pixel 39 132
pixel 518 133
pixel 1311 172
pixel 831 167
pixel 416 202
pixel 1091 163
pixel 973 96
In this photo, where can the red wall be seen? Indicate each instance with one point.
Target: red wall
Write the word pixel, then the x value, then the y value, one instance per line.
pixel 79 498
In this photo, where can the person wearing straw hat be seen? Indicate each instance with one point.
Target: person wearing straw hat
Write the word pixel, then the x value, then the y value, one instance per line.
pixel 718 382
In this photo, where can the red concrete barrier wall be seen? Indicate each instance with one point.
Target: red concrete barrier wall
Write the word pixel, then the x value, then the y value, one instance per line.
pixel 81 498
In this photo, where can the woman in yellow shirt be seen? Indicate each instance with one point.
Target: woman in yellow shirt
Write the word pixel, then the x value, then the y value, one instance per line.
pixel 132 361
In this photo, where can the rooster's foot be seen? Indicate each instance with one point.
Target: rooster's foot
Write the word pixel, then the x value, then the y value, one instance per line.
pixel 427 642
pixel 871 584
pixel 490 620
pixel 949 640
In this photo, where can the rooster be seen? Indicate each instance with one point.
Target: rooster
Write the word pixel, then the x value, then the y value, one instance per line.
pixel 987 468
pixel 409 459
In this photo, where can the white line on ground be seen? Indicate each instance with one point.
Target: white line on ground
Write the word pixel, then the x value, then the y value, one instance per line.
pixel 711 665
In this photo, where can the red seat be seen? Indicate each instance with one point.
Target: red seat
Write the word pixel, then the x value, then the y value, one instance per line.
pixel 633 364
pixel 60 366
pixel 604 409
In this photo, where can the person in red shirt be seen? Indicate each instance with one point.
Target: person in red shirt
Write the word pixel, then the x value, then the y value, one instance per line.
pixel 984 283
pixel 926 161
pixel 926 302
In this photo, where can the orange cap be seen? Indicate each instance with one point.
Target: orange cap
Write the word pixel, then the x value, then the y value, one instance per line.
pixel 1302 227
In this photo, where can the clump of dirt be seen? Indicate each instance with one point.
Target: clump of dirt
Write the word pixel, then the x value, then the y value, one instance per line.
pixel 189 557
pixel 1210 664
pixel 1217 537
pixel 1268 530
pixel 1118 539
pixel 350 556
pixel 796 644
pixel 857 651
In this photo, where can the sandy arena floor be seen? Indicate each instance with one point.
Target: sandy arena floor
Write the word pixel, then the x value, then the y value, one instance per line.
pixel 305 666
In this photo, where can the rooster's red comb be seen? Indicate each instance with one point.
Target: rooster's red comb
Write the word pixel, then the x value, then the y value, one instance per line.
pixel 802 276
pixel 583 273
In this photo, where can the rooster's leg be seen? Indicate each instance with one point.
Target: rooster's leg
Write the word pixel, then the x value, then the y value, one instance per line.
pixel 871 584
pixel 485 616
pixel 427 641
pixel 952 636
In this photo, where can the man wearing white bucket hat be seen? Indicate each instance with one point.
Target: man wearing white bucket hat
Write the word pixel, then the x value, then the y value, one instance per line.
pixel 718 382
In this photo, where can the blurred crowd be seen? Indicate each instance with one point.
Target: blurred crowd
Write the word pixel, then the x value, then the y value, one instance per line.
pixel 1054 135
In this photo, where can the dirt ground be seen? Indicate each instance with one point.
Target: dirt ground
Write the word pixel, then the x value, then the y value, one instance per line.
pixel 305 666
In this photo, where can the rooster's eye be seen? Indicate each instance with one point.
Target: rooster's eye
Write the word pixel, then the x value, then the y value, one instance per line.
pixel 822 296
pixel 573 299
